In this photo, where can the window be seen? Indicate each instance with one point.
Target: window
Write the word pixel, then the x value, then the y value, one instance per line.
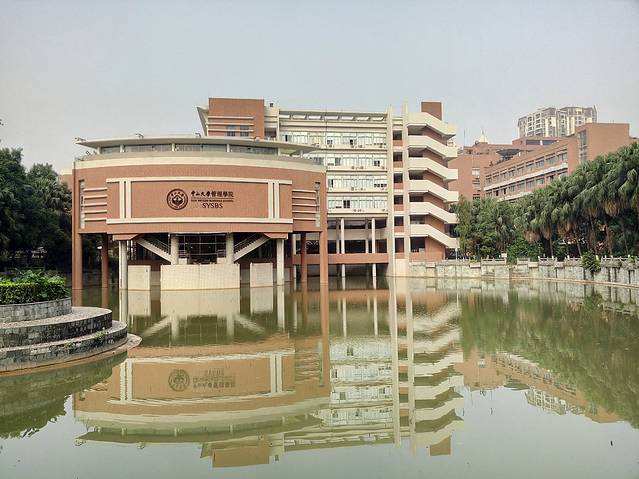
pixel 105 150
pixel 140 148
pixel 253 149
pixel 475 171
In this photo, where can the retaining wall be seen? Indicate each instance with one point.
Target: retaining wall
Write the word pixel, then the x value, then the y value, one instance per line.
pixel 12 313
pixel 618 271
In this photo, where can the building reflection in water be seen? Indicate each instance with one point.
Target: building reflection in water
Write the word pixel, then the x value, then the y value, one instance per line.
pixel 273 371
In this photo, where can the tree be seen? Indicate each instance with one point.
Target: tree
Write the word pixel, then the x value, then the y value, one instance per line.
pixel 35 212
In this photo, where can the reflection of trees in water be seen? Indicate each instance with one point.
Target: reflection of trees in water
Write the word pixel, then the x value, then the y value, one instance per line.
pixel 596 351
pixel 28 402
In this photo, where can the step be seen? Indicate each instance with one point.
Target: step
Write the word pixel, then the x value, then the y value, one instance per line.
pixel 80 322
pixel 35 355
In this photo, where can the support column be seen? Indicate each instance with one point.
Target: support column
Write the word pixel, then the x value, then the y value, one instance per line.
pixel 123 270
pixel 365 236
pixel 323 253
pixel 104 261
pixel 279 249
pixel 175 249
pixel 281 315
pixel 343 239
pixel 373 247
pixel 303 263
pixel 76 261
pixel 293 270
pixel 325 323
pixel 229 248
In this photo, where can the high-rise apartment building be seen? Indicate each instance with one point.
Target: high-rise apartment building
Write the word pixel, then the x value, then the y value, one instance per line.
pixel 556 121
pixel 388 175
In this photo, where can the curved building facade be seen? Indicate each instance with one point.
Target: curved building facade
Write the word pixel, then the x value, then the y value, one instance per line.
pixel 197 208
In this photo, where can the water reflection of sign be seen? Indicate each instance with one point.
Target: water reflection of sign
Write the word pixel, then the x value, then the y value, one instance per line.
pixel 212 198
pixel 177 199
pixel 179 380
pixel 214 379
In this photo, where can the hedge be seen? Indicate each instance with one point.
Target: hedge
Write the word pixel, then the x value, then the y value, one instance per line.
pixel 32 288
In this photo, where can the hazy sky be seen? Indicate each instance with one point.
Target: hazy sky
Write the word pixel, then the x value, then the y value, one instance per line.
pixel 100 69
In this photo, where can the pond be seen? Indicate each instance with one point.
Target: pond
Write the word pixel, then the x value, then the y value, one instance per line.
pixel 409 379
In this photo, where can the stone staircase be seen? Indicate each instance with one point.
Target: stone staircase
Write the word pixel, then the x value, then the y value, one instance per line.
pixel 28 340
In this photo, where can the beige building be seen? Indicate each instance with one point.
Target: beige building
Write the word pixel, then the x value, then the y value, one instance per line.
pixel 387 176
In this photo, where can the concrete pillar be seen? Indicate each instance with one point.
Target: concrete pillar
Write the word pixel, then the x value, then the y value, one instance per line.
pixel 123 270
pixel 229 248
pixel 343 239
pixel 123 306
pixel 375 321
pixel 344 325
pixel 303 263
pixel 279 250
pixel 104 261
pixel 323 252
pixel 281 316
pixel 365 236
pixel 293 270
pixel 104 300
pixel 325 323
pixel 373 246
pixel 175 249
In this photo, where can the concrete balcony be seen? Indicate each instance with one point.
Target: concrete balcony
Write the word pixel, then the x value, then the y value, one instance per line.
pixel 426 208
pixel 427 186
pixel 426 164
pixel 418 230
pixel 426 119
pixel 420 142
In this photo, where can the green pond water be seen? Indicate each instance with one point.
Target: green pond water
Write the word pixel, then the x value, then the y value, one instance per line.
pixel 409 379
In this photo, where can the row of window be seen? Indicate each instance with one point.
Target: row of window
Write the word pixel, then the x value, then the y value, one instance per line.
pixel 354 161
pixel 528 167
pixel 357 183
pixel 527 185
pixel 336 139
pixel 358 203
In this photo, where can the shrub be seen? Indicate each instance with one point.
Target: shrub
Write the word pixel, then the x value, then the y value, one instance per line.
pixel 590 262
pixel 31 287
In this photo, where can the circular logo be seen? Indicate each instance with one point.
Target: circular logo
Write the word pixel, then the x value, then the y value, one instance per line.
pixel 179 380
pixel 177 199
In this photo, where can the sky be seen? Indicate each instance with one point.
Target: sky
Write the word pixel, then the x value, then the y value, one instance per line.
pixel 102 69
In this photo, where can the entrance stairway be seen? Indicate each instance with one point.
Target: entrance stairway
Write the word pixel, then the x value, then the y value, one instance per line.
pixel 244 247
pixel 155 246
